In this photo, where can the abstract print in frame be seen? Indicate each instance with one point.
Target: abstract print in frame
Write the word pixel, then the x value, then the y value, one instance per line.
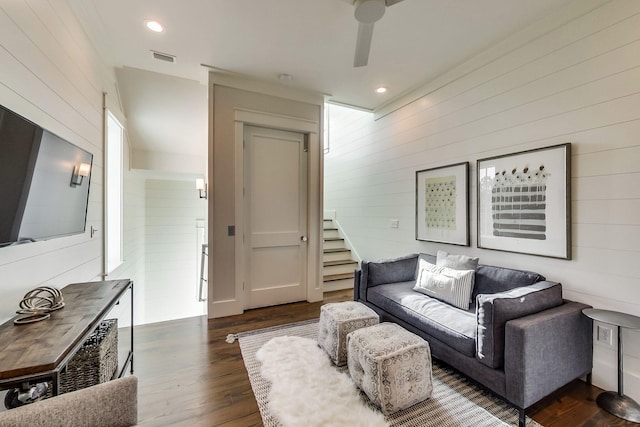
pixel 442 204
pixel 524 202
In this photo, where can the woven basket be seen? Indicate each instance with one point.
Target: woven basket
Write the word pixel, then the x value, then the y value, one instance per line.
pixel 95 362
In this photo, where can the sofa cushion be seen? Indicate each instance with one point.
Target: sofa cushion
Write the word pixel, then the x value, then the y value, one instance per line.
pixel 454 327
pixel 391 271
pixel 495 310
pixel 491 279
pixel 446 284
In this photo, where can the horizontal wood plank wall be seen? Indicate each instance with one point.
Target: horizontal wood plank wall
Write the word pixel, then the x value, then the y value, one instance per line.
pixel 172 274
pixel 134 223
pixel 52 74
pixel 578 82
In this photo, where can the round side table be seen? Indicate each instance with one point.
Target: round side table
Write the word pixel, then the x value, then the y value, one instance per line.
pixel 616 402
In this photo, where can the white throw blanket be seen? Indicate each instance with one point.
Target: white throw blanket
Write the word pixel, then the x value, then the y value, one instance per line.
pixel 307 390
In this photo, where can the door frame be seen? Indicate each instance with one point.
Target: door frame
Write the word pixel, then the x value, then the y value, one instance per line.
pixel 311 130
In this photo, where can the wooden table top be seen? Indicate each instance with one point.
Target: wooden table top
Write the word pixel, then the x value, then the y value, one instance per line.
pixel 42 346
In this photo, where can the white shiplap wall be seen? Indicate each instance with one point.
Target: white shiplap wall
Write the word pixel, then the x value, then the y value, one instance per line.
pixel 173 213
pixel 51 74
pixel 133 244
pixel 574 77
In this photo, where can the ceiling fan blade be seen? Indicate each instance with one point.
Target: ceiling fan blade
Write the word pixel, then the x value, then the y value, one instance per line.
pixel 391 2
pixel 363 44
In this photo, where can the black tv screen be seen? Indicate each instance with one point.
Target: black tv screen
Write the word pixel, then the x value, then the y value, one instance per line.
pixel 44 188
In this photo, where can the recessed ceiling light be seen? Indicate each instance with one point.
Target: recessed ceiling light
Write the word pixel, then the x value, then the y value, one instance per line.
pixel 285 78
pixel 154 26
pixel 381 89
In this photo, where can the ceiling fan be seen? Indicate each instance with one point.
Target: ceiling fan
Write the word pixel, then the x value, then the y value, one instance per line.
pixel 367 13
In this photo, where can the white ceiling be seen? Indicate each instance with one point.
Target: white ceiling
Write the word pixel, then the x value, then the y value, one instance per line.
pixel 312 40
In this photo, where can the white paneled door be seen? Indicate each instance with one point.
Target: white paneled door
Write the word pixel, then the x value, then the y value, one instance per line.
pixel 275 217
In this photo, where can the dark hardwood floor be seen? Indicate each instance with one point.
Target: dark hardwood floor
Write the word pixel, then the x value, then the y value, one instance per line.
pixel 190 376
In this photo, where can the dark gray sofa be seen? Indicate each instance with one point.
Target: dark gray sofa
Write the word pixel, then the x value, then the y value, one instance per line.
pixel 518 338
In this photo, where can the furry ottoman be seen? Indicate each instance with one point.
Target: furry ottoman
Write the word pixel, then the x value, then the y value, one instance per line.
pixel 336 321
pixel 391 365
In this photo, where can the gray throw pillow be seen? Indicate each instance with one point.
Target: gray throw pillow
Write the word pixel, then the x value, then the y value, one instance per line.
pixel 456 262
pixel 390 270
pixel 491 279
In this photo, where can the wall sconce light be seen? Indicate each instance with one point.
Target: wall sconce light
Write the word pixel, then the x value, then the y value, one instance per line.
pixel 79 172
pixel 201 186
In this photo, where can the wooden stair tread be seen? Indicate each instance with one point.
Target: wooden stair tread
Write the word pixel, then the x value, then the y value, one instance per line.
pixel 340 262
pixel 329 251
pixel 333 277
pixel 330 229
pixel 333 239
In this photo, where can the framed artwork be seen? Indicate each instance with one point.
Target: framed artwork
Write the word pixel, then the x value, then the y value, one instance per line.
pixel 442 204
pixel 524 202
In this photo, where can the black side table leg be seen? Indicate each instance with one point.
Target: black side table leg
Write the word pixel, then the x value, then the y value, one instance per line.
pixel 617 403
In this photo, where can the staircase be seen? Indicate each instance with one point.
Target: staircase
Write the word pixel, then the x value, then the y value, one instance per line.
pixel 338 262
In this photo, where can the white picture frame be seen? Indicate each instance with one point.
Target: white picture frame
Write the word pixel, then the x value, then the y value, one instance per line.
pixel 442 204
pixel 524 202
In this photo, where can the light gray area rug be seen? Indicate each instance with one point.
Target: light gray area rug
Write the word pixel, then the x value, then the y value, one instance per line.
pixel 455 402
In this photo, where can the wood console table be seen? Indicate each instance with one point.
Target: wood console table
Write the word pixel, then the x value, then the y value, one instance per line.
pixel 40 351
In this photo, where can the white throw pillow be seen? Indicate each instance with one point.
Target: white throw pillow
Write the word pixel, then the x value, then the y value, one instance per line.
pixel 452 286
pixel 458 262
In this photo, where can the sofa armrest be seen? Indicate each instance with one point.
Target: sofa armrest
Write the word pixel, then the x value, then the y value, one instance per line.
pixel 493 311
pixel 545 351
pixel 374 273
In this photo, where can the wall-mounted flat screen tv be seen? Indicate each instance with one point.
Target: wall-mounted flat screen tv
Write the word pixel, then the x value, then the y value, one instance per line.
pixel 44 182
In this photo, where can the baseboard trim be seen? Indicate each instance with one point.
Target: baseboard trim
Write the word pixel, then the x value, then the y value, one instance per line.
pixel 224 308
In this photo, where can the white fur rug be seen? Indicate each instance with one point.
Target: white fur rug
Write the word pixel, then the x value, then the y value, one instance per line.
pixel 300 374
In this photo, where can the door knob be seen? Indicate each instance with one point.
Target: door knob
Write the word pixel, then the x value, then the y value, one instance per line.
pixel 303 238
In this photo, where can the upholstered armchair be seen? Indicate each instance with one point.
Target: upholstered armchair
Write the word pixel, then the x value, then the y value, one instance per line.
pixel 110 404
